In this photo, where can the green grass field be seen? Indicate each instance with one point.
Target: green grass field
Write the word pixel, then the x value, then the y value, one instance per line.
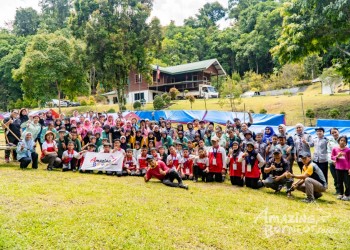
pixel 55 210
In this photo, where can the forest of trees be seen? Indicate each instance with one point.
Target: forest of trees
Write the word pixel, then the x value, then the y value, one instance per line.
pixel 73 47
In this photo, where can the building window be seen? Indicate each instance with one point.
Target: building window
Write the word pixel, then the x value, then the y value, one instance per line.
pixel 194 77
pixel 138 78
pixel 139 96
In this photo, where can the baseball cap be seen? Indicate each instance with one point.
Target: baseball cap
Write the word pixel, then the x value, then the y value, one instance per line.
pixel 276 151
pixel 305 154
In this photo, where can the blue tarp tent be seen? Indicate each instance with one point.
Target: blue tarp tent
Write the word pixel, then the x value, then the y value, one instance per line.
pixel 333 123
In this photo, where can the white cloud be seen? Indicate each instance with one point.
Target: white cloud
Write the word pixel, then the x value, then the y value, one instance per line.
pixel 165 10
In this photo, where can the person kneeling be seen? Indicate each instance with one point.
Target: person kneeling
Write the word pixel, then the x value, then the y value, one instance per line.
pixel 159 170
pixel 277 168
pixel 312 181
pixel 26 152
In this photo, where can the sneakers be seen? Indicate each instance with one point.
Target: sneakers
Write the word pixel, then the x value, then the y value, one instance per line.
pixel 181 185
pixel 340 197
pixel 346 198
pixel 278 189
pixel 49 168
pixel 308 200
pixel 317 195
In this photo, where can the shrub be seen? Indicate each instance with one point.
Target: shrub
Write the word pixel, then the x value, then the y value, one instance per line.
pixel 173 93
pixel 91 101
pixel 251 111
pixel 283 113
pixel 348 116
pixel 310 114
pixel 137 105
pixel 262 111
pixel 123 108
pixel 83 102
pixel 100 99
pixel 334 113
pixel 167 100
pixel 165 95
pixel 111 111
pixel 158 103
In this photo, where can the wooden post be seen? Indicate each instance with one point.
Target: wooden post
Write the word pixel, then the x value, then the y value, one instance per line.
pixel 302 107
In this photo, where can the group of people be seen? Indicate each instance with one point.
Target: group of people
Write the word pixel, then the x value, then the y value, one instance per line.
pixel 198 150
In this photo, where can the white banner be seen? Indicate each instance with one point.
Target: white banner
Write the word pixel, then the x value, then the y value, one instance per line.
pixel 103 161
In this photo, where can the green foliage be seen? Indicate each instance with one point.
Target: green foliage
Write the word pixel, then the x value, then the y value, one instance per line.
pixel 314 28
pixel 55 14
pixel 173 92
pixel 26 22
pixel 123 108
pixel 111 111
pixel 310 113
pixel 164 96
pixel 52 61
pixel 137 105
pixel 263 111
pixel 167 100
pixel 92 101
pixel 283 113
pixel 83 102
pixel 348 115
pixel 158 103
pixel 334 113
pixel 100 99
pixel 191 99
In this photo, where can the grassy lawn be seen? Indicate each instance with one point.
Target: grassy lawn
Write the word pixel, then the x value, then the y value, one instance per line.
pixel 55 210
pixel 291 105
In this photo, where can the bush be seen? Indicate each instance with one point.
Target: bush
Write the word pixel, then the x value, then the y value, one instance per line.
pixel 334 113
pixel 164 96
pixel 111 111
pixel 167 100
pixel 283 113
pixel 310 114
pixel 158 103
pixel 123 108
pixel 92 101
pixel 100 99
pixel 83 102
pixel 262 111
pixel 348 116
pixel 251 111
pixel 137 105
pixel 173 93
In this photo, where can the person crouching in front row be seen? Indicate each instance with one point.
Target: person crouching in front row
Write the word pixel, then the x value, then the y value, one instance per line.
pixel 276 169
pixel 26 152
pixel 130 163
pixel 160 171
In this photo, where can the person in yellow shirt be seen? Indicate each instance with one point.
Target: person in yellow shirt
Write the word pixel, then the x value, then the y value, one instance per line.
pixel 311 181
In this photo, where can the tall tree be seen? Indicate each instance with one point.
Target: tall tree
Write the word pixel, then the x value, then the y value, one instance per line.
pixel 26 22
pixel 55 14
pixel 52 61
pixel 11 52
pixel 117 36
pixel 315 27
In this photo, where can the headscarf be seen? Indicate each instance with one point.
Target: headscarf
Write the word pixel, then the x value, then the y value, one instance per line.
pixel 29 144
pixel 302 128
pixel 284 128
pixel 267 137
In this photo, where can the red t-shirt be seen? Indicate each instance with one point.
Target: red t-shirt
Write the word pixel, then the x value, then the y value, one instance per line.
pixel 154 172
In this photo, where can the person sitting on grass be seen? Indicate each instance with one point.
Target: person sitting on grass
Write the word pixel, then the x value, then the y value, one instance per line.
pixel 70 158
pixel 186 165
pixel 236 169
pixel 49 151
pixel 341 157
pixel 276 169
pixel 254 162
pixel 311 181
pixel 130 163
pixel 160 171
pixel 141 168
pixel 26 152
